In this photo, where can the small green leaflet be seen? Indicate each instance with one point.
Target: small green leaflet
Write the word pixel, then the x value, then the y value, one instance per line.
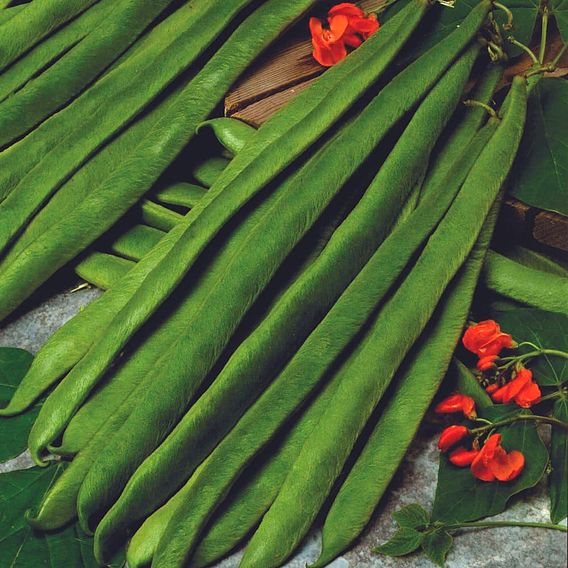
pixel 560 11
pixel 540 174
pixel 460 497
pixel 411 517
pixel 545 329
pixel 14 364
pixel 558 480
pixel 402 543
pixel 20 547
pixel 436 545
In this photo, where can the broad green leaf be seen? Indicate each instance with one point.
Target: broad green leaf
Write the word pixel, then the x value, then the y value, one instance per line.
pixel 558 479
pixel 464 382
pixel 442 20
pixel 22 547
pixel 14 364
pixel 460 497
pixel 436 545
pixel 546 330
pixel 540 173
pixel 560 11
pixel 411 517
pixel 402 543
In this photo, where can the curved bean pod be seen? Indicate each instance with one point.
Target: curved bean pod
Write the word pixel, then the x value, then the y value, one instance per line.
pixel 233 134
pixel 536 288
pixel 207 172
pixel 182 194
pixel 416 384
pixel 103 270
pixel 300 308
pixel 239 47
pixel 532 259
pixel 66 155
pixel 136 242
pixel 29 26
pixel 82 64
pixel 70 343
pixel 363 384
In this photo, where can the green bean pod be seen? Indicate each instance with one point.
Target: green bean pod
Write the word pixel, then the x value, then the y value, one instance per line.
pixel 159 217
pixel 52 48
pixel 244 506
pixel 136 242
pixel 207 172
pixel 80 66
pixel 532 259
pixel 526 285
pixel 233 134
pixel 6 15
pixel 103 270
pixel 300 308
pixel 128 99
pixel 416 384
pixel 29 26
pixel 182 194
pixel 242 44
pixel 70 343
pixel 386 343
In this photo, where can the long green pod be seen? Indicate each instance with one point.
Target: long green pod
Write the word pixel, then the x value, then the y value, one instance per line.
pixel 6 15
pixel 301 307
pixel 470 120
pixel 207 172
pixel 80 66
pixel 523 284
pixel 105 350
pixel 159 217
pixel 181 194
pixel 51 48
pixel 134 80
pixel 244 506
pixel 67 155
pixel 30 26
pixel 232 134
pixel 149 157
pixel 416 384
pixel 102 269
pixel 136 242
pixel 533 259
pixel 367 374
pixel 72 341
pixel 193 239
pixel 295 383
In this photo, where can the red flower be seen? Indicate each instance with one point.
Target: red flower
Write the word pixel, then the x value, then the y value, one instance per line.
pixel 451 436
pixel 486 338
pixel 347 26
pixel 490 389
pixel 493 462
pixel 461 457
pixel 487 362
pixel 522 390
pixel 457 403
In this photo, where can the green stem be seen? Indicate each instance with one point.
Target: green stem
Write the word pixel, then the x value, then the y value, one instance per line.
pixel 552 395
pixel 489 109
pixel 529 417
pixel 519 358
pixel 543 35
pixel 527 50
pixel 559 55
pixel 490 524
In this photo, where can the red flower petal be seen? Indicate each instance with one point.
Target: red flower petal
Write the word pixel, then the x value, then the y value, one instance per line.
pixel 486 338
pixel 480 470
pixel 337 26
pixel 456 403
pixel 347 9
pixel 529 395
pixel 487 362
pixel 462 457
pixel 451 436
pixel 507 466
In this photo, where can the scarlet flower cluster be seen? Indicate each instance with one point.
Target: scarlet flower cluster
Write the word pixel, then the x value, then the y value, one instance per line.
pixel 486 340
pixel 347 26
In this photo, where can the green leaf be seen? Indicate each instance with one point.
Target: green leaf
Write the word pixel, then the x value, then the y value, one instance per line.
pixel 558 480
pixel 22 547
pixel 411 517
pixel 442 20
pixel 14 364
pixel 436 545
pixel 560 11
pixel 540 173
pixel 460 497
pixel 546 330
pixel 403 542
pixel 464 382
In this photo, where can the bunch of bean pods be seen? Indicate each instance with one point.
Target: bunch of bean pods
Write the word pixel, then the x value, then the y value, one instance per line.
pixel 276 323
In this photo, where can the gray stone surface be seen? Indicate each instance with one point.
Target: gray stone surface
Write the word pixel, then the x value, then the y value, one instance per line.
pixel 414 483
